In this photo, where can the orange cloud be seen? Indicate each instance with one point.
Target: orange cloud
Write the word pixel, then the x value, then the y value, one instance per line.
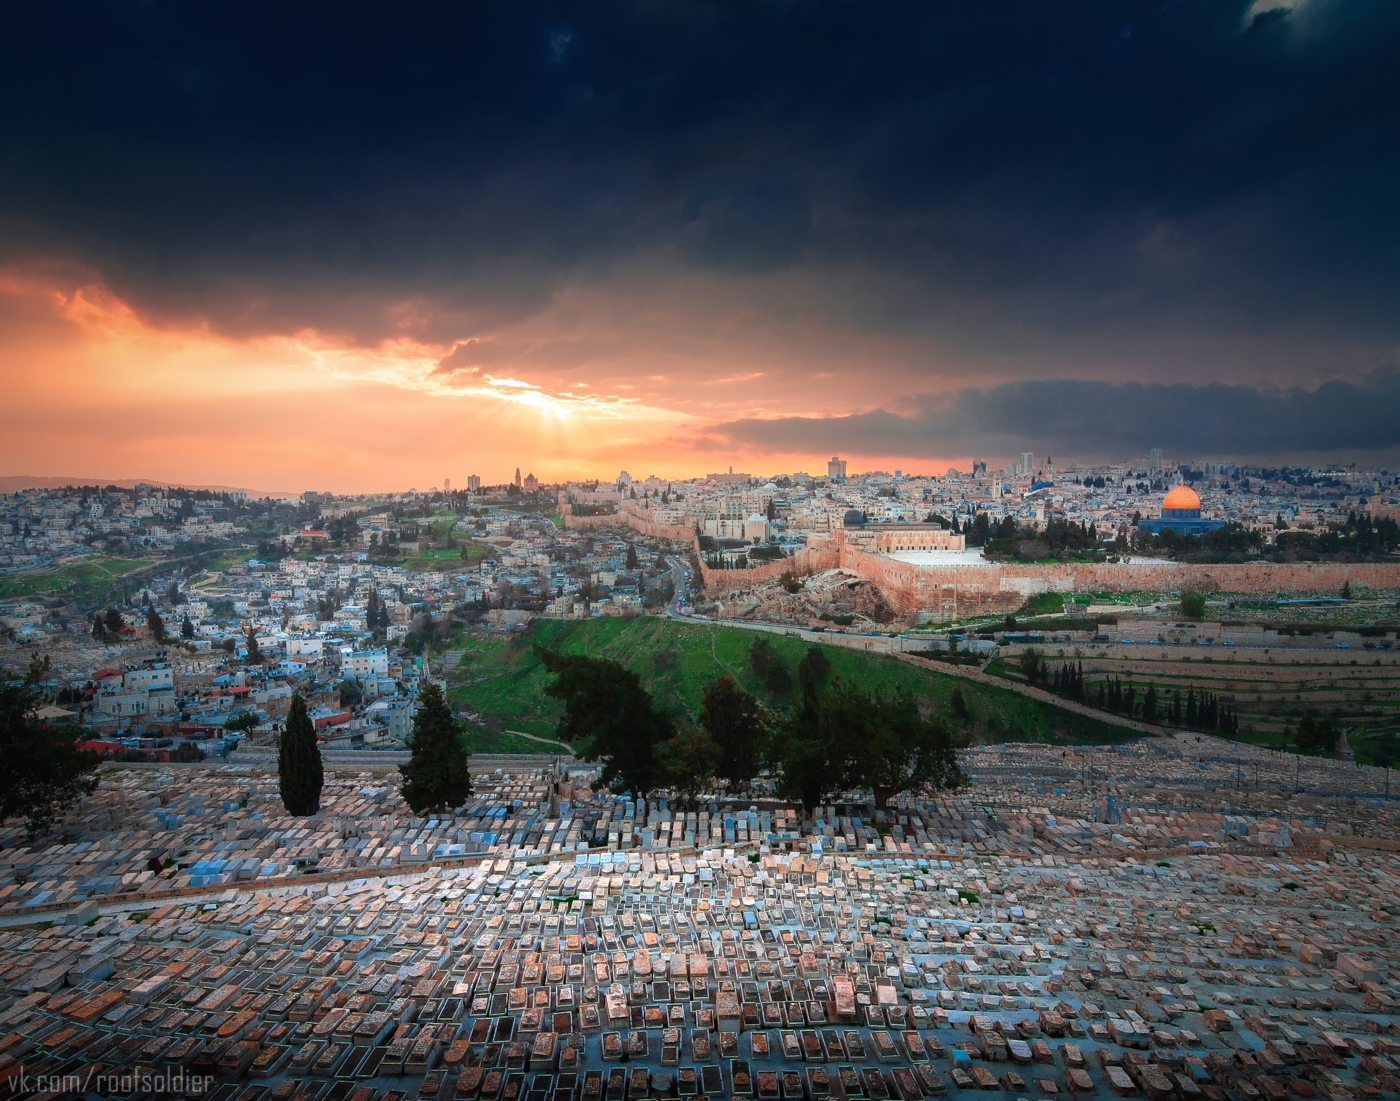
pixel 95 390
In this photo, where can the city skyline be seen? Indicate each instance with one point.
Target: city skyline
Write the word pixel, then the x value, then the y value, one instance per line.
pixel 609 239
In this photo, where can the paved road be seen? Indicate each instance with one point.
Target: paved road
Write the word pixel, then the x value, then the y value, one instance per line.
pixel 680 585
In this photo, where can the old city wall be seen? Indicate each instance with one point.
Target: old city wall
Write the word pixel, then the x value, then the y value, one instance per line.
pixel 639 524
pixel 580 523
pixel 957 591
pixel 808 560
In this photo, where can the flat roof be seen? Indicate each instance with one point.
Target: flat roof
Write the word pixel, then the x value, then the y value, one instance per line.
pixel 972 556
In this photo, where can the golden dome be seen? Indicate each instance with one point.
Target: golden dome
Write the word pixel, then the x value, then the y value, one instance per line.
pixel 1181 497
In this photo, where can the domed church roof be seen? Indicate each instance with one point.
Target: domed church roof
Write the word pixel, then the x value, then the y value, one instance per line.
pixel 1181 497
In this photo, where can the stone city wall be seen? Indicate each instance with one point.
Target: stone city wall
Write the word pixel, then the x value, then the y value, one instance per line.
pixel 808 560
pixel 578 523
pixel 636 520
pixel 959 591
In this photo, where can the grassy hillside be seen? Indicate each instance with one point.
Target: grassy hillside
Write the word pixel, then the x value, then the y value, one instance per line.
pixel 502 679
pixel 95 572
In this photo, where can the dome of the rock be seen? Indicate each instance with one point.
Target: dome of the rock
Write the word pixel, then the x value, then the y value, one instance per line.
pixel 1181 513
pixel 1181 497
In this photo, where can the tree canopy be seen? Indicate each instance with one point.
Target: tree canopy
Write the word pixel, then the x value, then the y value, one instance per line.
pixel 734 721
pixel 843 737
pixel 610 717
pixel 43 772
pixel 300 774
pixel 1193 604
pixel 438 774
pixel 689 761
pixel 768 667
pixel 1316 736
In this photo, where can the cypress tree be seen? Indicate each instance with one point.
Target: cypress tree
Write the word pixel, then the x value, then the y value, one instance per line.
pixel 155 624
pixel 437 775
pixel 299 771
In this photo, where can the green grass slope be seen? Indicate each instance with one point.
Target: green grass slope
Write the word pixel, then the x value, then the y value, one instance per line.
pixel 93 573
pixel 502 679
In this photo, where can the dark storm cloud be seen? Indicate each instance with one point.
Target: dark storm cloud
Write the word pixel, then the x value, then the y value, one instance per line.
pixel 1094 419
pixel 1066 167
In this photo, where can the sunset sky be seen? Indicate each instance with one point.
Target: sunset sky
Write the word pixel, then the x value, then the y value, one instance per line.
pixel 366 247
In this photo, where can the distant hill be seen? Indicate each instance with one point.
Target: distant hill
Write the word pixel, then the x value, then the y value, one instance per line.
pixel 13 483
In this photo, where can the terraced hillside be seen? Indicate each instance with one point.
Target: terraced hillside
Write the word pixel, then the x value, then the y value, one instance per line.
pixel 1271 693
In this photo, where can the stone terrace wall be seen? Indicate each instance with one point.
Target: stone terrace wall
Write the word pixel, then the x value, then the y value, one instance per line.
pixel 956 591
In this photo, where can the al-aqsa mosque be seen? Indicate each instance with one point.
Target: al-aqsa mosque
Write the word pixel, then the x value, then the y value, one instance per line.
pixel 1181 512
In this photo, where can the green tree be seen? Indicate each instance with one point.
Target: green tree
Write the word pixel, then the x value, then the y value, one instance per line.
pixel 254 653
pixel 734 721
pixel 844 737
pixel 114 621
pixel 814 668
pixel 43 772
pixel 790 582
pixel 610 717
pixel 155 624
pixel 1033 666
pixel 300 774
pixel 1193 604
pixel 244 720
pixel 349 694
pixel 807 749
pixel 187 628
pixel 632 563
pixel 897 748
pixel 438 773
pixel 1317 737
pixel 689 761
pixel 99 628
pixel 958 702
pixel 768 667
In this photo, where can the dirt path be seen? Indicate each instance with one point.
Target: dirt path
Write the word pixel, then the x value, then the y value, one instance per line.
pixel 542 741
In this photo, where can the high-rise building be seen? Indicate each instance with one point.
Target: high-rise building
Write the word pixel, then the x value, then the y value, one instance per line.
pixel 979 468
pixel 1027 463
pixel 836 470
pixel 1154 459
pixel 473 483
pixel 447 485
